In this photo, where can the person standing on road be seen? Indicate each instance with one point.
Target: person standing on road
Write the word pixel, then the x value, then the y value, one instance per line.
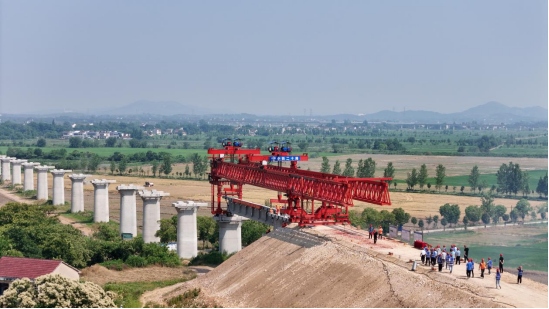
pixel 380 232
pixel 433 257
pixel 458 256
pixel 468 267
pixel 472 268
pixel 450 263
pixel 519 278
pixel 465 253
pixel 375 236
pixel 440 261
pixel 482 267
pixel 489 265
pixel 422 254
pixel 444 258
pixel 371 232
pixel 498 278
pixel 501 260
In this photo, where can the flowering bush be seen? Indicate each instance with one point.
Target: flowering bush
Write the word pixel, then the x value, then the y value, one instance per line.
pixel 56 291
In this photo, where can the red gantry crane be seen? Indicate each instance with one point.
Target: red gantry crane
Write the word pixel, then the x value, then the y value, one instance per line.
pixel 310 198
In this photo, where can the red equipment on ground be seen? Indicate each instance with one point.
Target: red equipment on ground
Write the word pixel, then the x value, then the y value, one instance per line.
pixel 232 167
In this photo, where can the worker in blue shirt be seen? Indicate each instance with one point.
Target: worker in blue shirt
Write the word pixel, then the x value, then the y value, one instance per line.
pixel 450 263
pixel 519 278
pixel 440 261
pixel 489 264
pixel 470 267
pixel 498 277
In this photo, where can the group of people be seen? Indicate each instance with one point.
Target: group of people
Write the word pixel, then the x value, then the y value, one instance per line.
pixel 437 255
pixel 375 233
pixel 432 256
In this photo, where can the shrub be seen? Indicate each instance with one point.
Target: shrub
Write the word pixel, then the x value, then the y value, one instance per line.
pixel 115 265
pixel 211 258
pixel 136 261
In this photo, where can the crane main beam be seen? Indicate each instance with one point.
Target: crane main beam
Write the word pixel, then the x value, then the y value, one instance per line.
pixel 294 182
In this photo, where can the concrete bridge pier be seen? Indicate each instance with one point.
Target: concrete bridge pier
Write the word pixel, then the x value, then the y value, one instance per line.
pixel 42 182
pixel 28 172
pixel 77 192
pixel 230 235
pixel 101 199
pixel 151 214
pixel 16 171
pixel 5 167
pixel 59 186
pixel 128 209
pixel 187 238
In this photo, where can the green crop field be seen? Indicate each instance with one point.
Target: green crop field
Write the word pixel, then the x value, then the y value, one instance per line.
pixel 524 245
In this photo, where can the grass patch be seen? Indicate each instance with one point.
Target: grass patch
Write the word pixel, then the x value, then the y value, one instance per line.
pixel 212 258
pixel 85 217
pixel 131 291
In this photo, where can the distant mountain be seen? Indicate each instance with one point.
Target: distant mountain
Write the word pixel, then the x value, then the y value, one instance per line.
pixel 165 108
pixel 491 112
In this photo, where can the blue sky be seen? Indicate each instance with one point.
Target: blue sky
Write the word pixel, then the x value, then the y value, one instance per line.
pixel 276 57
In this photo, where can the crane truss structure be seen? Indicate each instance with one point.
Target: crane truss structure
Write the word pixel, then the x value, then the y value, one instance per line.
pixel 311 198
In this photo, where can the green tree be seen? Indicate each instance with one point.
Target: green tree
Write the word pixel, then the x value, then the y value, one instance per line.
pixel 401 217
pixel 411 180
pixel 122 165
pixel 440 175
pixel 435 221
pixel 154 168
pixel 541 188
pixel 499 211
pixel 110 142
pixel 252 231
pixel 94 162
pixel 485 219
pixel 444 222
pixel 369 168
pixel 75 142
pixel 474 178
pixel 473 213
pixel 187 170
pixel 542 210
pixel 41 142
pixel 413 220
pixel 421 224
pixel 465 221
pixel 112 167
pixel 166 166
pixel 422 176
pixel 451 212
pixel 325 168
pixel 429 220
pixel 303 145
pixel 206 228
pixel 371 216
pixel 389 171
pixel 349 171
pixel 514 215
pixel 337 168
pixel 523 208
pixel 168 230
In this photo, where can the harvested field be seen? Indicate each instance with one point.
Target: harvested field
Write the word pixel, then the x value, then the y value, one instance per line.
pixel 101 275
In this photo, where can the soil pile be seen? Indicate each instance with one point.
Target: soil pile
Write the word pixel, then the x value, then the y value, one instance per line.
pixel 295 268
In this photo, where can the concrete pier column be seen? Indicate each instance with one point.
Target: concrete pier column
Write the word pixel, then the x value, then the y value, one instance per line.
pixel 101 199
pixel 5 166
pixel 187 237
pixel 28 183
pixel 128 209
pixel 77 192
pixel 59 186
pixel 151 214
pixel 42 181
pixel 230 236
pixel 16 171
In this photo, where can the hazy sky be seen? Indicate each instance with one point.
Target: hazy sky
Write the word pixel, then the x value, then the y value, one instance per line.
pixel 273 57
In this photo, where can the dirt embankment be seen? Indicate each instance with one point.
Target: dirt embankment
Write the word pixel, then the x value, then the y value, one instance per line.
pixel 291 268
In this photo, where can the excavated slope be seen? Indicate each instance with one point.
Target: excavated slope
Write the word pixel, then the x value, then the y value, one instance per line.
pixel 292 268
